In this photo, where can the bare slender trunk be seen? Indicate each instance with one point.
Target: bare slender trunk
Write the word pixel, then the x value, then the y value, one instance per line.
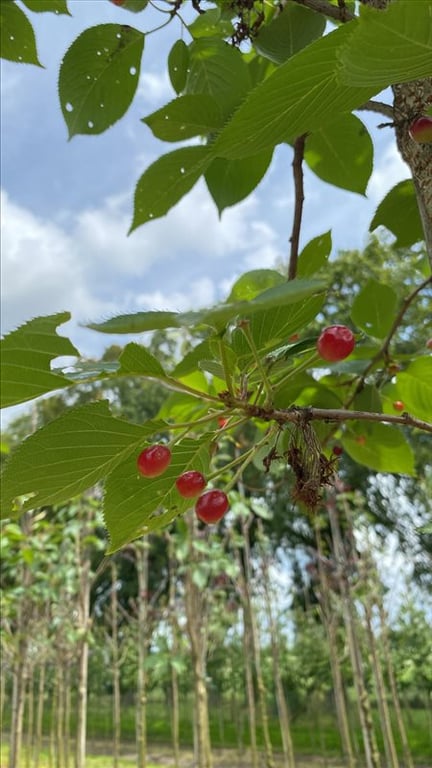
pixel 196 619
pixel 175 712
pixel 142 552
pixel 256 650
pixel 59 716
pixel 329 619
pixel 40 701
pixel 369 739
pixel 284 719
pixel 83 560
pixel 30 716
pixel 115 661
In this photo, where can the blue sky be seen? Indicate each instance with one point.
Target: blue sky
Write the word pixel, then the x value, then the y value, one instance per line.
pixel 67 205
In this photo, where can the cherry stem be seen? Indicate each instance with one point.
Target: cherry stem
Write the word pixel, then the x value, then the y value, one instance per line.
pixel 297 164
pixel 245 327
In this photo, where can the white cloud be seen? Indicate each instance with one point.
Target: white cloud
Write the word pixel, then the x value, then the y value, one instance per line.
pixel 388 171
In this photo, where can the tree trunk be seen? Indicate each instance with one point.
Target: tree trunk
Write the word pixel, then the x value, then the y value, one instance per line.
pixel 83 626
pixel 40 701
pixel 284 719
pixel 329 619
pixel 369 739
pixel 115 660
pixel 141 553
pixel 196 622
pixel 175 711
pixel 256 650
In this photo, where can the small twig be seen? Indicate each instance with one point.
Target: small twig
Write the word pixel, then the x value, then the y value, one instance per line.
pixel 340 13
pixel 383 351
pixel 377 106
pixel 297 164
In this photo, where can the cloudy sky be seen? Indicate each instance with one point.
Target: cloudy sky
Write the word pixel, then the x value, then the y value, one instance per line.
pixel 67 205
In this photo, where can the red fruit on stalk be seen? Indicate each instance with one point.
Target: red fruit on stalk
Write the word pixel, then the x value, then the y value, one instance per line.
pixel 190 484
pixel 154 460
pixel 337 450
pixel 211 506
pixel 335 343
pixel 398 405
pixel 421 130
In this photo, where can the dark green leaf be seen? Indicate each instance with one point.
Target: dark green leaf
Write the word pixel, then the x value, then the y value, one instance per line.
pixel 218 69
pixel 341 153
pixel 18 42
pixel 137 360
pixel 99 76
pixel 289 32
pixel 230 181
pixel 374 309
pixel 414 386
pixel 210 24
pixel 178 62
pixel 26 355
pixel 301 95
pixel 314 255
pixel 399 213
pixel 71 454
pixel 166 181
pixel 187 116
pixel 138 322
pixel 134 505
pixel 43 6
pixel 389 46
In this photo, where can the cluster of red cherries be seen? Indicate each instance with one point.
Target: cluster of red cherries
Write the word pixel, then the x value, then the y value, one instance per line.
pixel 210 506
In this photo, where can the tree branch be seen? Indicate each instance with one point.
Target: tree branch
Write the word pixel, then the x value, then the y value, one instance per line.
pixel 377 106
pixel 340 13
pixel 297 165
pixel 383 351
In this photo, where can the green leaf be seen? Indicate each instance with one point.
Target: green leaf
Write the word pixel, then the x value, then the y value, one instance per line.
pixel 26 355
pixel 230 181
pixel 314 255
pixel 218 69
pixel 210 24
pixel 139 322
pixel 134 505
pixel 135 6
pixel 18 42
pixel 99 76
pixel 187 116
pixel 43 6
pixel 389 46
pixel 300 96
pixel 70 454
pixel 341 153
pixel 367 399
pixel 178 63
pixel 137 360
pixel 380 447
pixel 288 32
pixel 250 284
pixel 374 309
pixel 414 386
pixel 190 362
pixel 399 213
pixel 166 181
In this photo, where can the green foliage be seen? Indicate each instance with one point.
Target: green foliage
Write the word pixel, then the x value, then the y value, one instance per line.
pixel 399 213
pixel 26 355
pixel 99 76
pixel 18 41
pixel 374 309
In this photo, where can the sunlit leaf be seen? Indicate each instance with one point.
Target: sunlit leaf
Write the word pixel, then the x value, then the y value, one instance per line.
pixel 189 115
pixel 18 42
pixel 399 213
pixel 374 309
pixel 289 32
pixel 380 447
pixel 230 181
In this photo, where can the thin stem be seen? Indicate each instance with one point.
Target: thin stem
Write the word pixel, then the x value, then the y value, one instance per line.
pixel 297 164
pixel 340 13
pixel 246 330
pixel 377 106
pixel 383 351
pixel 225 366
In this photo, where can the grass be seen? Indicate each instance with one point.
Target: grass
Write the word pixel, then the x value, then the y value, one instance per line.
pixel 92 761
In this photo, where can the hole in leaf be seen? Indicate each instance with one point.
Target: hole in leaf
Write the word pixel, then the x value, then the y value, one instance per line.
pixel 68 107
pixel 90 124
pixel 118 35
pixel 98 53
pixel 101 106
pixel 150 215
pixel 182 170
pixel 132 70
pixel 11 37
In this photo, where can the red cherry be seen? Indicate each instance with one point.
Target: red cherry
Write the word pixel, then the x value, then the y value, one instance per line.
pixel 118 2
pixel 337 450
pixel 211 506
pixel 421 130
pixel 190 484
pixel 222 422
pixel 335 343
pixel 154 460
pixel 398 405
